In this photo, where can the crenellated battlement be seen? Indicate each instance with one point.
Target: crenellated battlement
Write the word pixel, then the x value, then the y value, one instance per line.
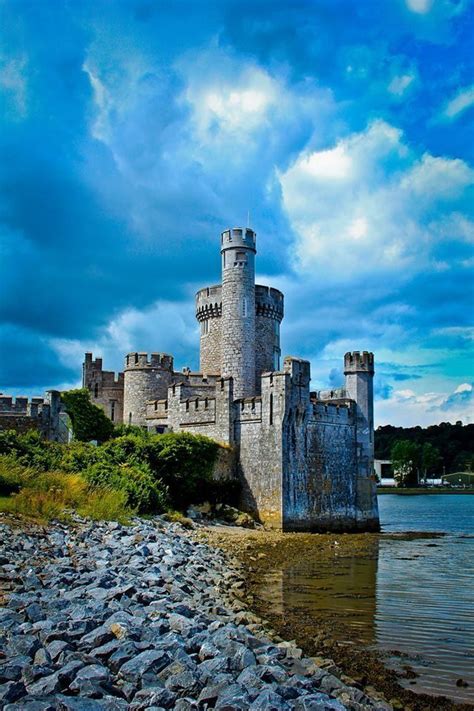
pixel 333 413
pixel 334 394
pixel 137 361
pixel 357 361
pixel 269 302
pixel 239 237
pixel 248 409
pixel 22 405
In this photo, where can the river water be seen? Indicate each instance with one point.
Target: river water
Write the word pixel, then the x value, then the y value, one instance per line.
pixel 410 598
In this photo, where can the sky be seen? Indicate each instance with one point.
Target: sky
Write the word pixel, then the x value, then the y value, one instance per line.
pixel 132 132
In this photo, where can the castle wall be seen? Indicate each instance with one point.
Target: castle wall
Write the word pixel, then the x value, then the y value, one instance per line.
pixel 40 414
pixel 106 389
pixel 209 414
pixel 257 434
pixel 319 484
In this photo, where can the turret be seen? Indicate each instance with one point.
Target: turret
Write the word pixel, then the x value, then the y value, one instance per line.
pixel 145 378
pixel 238 309
pixel 359 372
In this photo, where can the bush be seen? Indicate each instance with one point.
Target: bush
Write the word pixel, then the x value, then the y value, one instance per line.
pixel 79 456
pixel 31 449
pixel 13 475
pixel 143 492
pixel 184 463
pixel 129 449
pixel 89 422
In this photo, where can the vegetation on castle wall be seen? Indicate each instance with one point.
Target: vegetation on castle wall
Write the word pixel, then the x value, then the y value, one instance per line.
pixel 89 422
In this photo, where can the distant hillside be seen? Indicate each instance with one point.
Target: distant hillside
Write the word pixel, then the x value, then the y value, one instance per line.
pixel 454 442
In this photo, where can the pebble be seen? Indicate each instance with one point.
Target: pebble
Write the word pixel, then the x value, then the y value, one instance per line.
pixel 103 616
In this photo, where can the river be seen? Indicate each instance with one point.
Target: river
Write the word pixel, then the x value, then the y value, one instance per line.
pixel 409 598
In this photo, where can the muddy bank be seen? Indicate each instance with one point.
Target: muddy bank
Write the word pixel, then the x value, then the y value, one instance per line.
pixel 327 633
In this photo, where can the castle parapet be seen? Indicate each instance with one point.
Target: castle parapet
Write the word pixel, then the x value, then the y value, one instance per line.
pixel 269 302
pixel 144 360
pixel 357 361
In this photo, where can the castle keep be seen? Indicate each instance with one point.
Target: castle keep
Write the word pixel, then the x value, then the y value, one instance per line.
pixel 305 459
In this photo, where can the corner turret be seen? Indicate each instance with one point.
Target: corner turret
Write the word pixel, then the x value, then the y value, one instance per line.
pixel 359 371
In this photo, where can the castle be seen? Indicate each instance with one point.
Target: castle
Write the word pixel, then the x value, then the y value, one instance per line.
pixel 305 459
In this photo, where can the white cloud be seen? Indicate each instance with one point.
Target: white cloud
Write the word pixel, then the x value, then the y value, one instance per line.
pixel 464 387
pixel 462 101
pixel 164 326
pixel 409 409
pixel 421 7
pixel 399 84
pixel 370 205
pixel 13 84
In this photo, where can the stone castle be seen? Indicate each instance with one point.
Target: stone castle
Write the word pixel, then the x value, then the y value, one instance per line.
pixel 305 459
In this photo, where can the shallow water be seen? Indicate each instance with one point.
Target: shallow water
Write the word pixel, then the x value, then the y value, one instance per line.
pixel 411 597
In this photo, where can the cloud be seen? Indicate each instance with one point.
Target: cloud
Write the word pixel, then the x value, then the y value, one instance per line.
pixel 462 101
pixel 420 6
pixel 370 203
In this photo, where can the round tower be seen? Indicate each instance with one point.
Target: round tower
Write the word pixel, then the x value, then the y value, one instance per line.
pixel 145 378
pixel 238 309
pixel 208 313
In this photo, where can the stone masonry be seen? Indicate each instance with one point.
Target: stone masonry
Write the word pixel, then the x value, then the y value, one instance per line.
pixel 304 459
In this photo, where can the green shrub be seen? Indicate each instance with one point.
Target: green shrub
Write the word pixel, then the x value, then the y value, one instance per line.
pixel 129 449
pixel 143 492
pixel 89 422
pixel 184 463
pixel 31 449
pixel 79 456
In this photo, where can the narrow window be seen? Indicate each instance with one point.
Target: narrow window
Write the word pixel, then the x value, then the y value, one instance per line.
pixel 271 408
pixel 244 307
pixel 96 390
pixel 276 359
pixel 129 418
pixel 112 410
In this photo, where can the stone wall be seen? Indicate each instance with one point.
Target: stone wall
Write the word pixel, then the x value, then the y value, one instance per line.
pixel 106 388
pixel 43 414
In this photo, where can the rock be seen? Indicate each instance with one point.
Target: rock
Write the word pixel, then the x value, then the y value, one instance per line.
pixel 88 678
pixel 11 691
pixel 137 666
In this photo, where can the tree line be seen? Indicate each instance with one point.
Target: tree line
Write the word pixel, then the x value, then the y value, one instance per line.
pixel 419 452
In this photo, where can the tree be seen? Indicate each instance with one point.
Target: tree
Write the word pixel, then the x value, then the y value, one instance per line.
pixel 89 422
pixel 406 458
pixel 429 459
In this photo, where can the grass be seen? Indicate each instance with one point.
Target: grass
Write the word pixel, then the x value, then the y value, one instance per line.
pixel 43 497
pixel 421 490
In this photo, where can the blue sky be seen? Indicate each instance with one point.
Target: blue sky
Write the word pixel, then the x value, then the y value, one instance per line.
pixel 132 132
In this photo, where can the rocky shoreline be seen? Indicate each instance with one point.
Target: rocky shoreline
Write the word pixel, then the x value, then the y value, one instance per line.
pixel 104 616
